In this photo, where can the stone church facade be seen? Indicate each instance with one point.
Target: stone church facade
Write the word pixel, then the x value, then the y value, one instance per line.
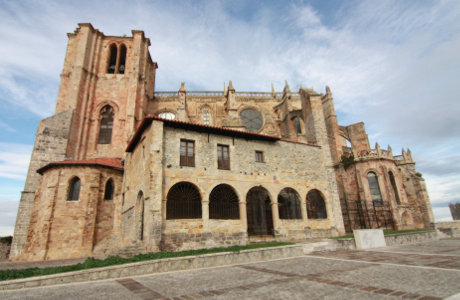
pixel 122 166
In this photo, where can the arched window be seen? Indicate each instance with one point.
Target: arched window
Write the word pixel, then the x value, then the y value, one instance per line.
pixel 298 125
pixel 223 203
pixel 393 185
pixel 289 204
pixel 374 188
pixel 316 206
pixel 112 59
pixel 109 188
pixel 183 202
pixel 122 61
pixel 74 189
pixel 105 129
pixel 206 117
pixel 167 115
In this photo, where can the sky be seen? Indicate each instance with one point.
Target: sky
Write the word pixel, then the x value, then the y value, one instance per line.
pixel 394 65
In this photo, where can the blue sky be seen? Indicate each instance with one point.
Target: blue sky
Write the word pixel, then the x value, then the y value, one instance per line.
pixel 393 64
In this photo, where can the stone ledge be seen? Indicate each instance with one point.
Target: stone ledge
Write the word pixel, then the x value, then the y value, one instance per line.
pixel 156 266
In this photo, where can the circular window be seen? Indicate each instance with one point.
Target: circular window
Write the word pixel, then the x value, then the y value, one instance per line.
pixel 167 115
pixel 252 119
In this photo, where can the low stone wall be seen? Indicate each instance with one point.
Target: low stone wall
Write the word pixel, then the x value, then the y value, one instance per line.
pixel 393 239
pixel 157 266
pixel 5 247
pixel 451 228
pixel 410 237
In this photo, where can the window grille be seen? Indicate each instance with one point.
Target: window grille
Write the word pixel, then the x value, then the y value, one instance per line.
pixel 223 157
pixel 223 203
pixel 187 153
pixel 105 129
pixel 259 156
pixel 316 206
pixel 259 212
pixel 289 204
pixel 74 189
pixel 108 194
pixel 183 202
pixel 374 188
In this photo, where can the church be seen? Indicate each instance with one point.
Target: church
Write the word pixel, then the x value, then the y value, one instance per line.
pixel 122 166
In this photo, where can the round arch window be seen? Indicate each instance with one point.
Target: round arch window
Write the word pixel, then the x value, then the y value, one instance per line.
pixel 252 119
pixel 167 115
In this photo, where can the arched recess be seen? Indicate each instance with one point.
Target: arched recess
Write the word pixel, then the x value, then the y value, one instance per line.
pixel 299 125
pixel 374 188
pixel 122 60
pixel 74 189
pixel 183 201
pixel 289 204
pixel 106 125
pixel 316 206
pixel 259 212
pixel 109 190
pixel 223 203
pixel 140 216
pixel 112 59
pixel 393 185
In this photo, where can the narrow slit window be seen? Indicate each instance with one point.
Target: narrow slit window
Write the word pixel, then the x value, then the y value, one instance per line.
pixel 108 193
pixel 74 189
pixel 223 157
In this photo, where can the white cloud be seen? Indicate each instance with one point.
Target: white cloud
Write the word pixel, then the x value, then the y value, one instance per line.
pixel 14 160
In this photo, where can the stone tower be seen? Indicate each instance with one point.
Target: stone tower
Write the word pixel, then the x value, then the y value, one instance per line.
pixel 105 85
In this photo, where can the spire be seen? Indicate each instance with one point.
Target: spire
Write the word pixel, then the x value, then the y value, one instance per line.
pixel 286 87
pixel 182 87
pixel 328 90
pixel 273 91
pixel 230 86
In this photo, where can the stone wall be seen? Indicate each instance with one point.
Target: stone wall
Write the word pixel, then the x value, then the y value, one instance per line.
pixel 50 145
pixel 451 228
pixel 5 247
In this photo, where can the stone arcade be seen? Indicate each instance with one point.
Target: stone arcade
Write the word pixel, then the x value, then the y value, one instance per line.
pixel 121 166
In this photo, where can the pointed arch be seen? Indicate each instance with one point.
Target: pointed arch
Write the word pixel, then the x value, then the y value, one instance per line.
pixel 106 125
pixel 122 60
pixel 74 189
pixel 393 185
pixel 374 188
pixel 112 59
pixel 109 189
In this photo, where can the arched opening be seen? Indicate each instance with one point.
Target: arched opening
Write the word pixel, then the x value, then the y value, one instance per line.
pixel 298 125
pixel 289 204
pixel 113 59
pixel 316 206
pixel 183 202
pixel 74 189
pixel 108 193
pixel 393 185
pixel 223 203
pixel 122 62
pixel 140 213
pixel 106 125
pixel 206 117
pixel 374 189
pixel 259 212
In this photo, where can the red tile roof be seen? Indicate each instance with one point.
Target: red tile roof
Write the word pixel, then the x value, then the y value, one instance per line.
pixel 107 162
pixel 197 127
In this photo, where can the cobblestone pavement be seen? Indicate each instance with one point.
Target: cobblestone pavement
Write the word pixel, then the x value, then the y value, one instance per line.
pixel 423 271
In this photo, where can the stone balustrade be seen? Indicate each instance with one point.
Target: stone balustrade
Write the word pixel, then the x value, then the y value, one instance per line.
pixel 378 153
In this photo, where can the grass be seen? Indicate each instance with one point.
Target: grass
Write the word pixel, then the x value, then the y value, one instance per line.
pixel 385 232
pixel 91 263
